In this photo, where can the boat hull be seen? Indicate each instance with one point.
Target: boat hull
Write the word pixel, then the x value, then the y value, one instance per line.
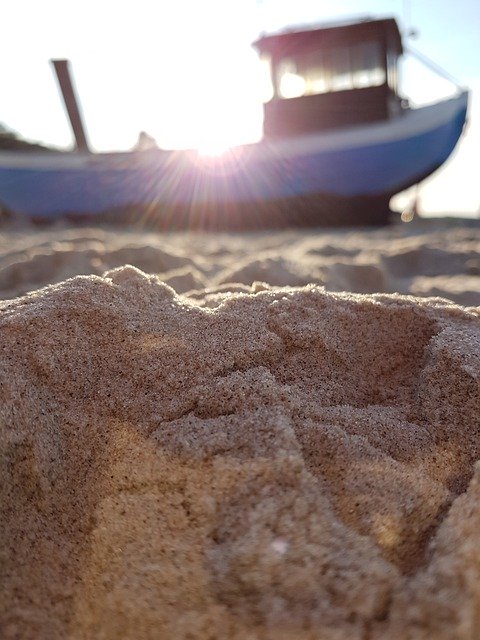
pixel 348 170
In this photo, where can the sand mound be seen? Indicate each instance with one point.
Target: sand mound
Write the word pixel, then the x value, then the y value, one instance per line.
pixel 39 263
pixel 426 261
pixel 462 289
pixel 358 278
pixel 286 464
pixel 272 269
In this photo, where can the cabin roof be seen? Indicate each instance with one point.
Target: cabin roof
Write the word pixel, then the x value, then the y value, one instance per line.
pixel 331 35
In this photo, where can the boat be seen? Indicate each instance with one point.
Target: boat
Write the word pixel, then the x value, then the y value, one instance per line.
pixel 339 141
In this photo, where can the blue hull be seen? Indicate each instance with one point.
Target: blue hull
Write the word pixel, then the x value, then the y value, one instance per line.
pixel 363 162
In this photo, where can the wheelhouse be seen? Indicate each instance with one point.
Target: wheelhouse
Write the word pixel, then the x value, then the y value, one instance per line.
pixel 331 77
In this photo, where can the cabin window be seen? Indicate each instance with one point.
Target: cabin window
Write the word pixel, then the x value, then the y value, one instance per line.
pixel 291 83
pixel 266 80
pixel 392 73
pixel 367 65
pixel 339 68
pixel 336 69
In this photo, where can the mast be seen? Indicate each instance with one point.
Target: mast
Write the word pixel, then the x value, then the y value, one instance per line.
pixel 70 100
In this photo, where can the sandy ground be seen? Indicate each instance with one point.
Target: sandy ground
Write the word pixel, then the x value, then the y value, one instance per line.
pixel 233 438
pixel 424 258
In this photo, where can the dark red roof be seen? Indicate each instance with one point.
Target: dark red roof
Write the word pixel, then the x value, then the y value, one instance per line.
pixel 313 38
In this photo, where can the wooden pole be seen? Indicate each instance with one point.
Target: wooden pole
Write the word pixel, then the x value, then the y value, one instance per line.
pixel 65 83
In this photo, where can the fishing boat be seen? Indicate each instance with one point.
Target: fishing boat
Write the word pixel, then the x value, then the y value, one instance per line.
pixel 339 141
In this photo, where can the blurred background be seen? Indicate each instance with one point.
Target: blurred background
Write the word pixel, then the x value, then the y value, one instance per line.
pixel 185 72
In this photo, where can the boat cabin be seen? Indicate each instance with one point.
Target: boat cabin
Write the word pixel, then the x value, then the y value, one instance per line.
pixel 331 77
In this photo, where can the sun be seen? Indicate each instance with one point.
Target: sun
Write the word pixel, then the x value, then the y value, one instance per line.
pixel 213 149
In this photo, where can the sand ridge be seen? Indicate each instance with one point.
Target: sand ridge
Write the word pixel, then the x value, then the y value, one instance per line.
pixel 260 463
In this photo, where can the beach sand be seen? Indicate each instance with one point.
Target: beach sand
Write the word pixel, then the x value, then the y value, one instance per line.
pixel 246 436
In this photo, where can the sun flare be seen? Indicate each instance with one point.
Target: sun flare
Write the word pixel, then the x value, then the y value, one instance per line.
pixel 212 150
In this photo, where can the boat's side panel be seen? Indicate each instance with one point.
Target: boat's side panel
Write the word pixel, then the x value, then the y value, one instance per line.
pixel 348 168
pixel 385 167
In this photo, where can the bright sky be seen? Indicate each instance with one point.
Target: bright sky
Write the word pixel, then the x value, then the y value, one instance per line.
pixel 184 71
